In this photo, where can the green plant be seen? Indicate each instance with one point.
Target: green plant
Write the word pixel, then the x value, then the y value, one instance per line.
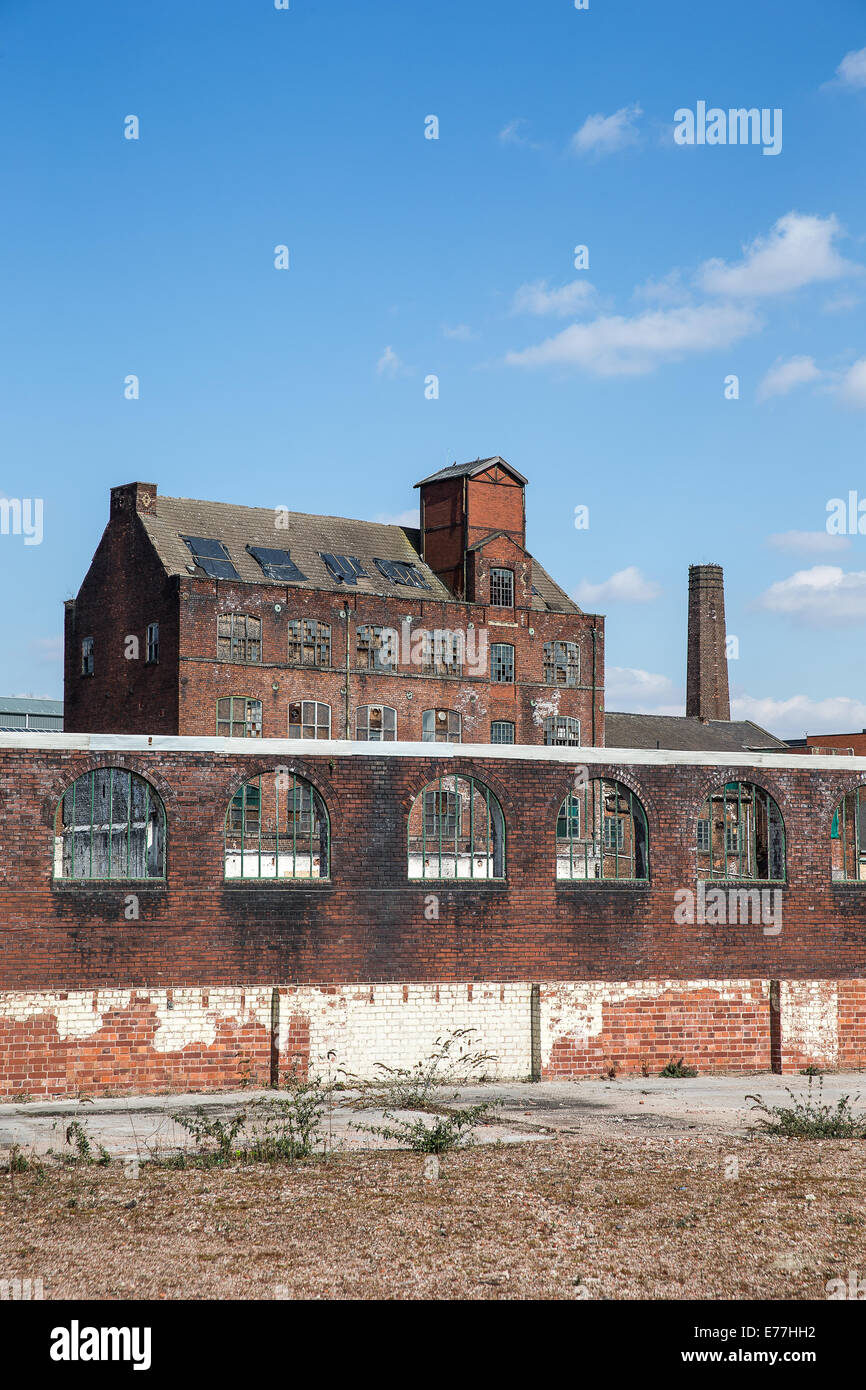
pixel 455 1057
pixel 811 1070
pixel 678 1069
pixel 214 1135
pixel 78 1139
pixel 810 1117
pixel 267 1130
pixel 446 1132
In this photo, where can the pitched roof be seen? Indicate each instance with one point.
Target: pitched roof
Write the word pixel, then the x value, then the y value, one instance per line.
pixel 306 537
pixel 682 733
pixel 462 470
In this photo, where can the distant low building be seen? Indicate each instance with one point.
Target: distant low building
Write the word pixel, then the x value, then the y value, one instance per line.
pixel 822 744
pixel 22 712
pixel 685 733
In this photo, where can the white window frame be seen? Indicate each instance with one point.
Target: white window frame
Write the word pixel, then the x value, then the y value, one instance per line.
pixel 363 731
pixel 315 722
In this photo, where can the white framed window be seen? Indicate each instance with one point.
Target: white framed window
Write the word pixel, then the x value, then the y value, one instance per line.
pixel 501 588
pixel 561 731
pixel 502 663
pixel 153 643
pixel 309 719
pixel 376 724
pixel 441 726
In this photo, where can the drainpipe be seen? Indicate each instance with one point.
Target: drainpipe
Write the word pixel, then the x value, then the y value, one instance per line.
pixel 346 613
pixel 594 670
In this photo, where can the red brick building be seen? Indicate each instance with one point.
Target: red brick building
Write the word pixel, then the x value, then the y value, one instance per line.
pixel 205 618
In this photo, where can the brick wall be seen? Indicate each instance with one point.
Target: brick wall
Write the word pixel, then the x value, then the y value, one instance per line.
pixel 184 994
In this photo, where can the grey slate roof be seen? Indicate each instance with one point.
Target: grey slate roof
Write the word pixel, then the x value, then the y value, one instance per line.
pixel 679 733
pixel 305 536
pixel 462 470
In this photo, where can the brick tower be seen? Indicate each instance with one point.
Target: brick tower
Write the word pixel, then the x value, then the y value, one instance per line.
pixel 707 694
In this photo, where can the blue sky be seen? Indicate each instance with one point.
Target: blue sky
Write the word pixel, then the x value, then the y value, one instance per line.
pixel 413 257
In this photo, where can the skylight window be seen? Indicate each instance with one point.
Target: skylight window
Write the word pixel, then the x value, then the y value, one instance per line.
pixel 212 557
pixel 346 569
pixel 277 564
pixel 399 572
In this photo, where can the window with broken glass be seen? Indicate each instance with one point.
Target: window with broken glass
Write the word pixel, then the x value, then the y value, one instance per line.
pixel 87 657
pixel 441 726
pixel 376 724
pixel 239 637
pixel 277 827
pixel 239 717
pixel 740 834
pixel 456 830
pixel 152 643
pixel 601 833
pixel 561 731
pixel 501 663
pixel 309 643
pixel 442 653
pixel 110 824
pixel 561 663
pixel 848 838
pixel 375 649
pixel 309 719
pixel 501 588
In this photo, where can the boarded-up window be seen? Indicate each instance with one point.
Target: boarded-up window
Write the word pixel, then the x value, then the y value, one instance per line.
pixel 309 643
pixel 239 637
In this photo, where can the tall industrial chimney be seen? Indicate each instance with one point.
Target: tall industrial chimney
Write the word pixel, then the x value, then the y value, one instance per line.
pixel 707 695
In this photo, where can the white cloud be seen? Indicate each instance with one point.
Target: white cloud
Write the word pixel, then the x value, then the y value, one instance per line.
pixel 853 386
pixel 626 586
pixel 461 332
pixel 642 692
pixel 601 135
pixel 47 649
pixel 389 363
pixel 798 251
pixel 619 346
pixel 407 518
pixel 799 715
pixel 808 542
pixel 782 377
pixel 851 72
pixel 512 134
pixel 538 299
pixel 669 289
pixel 822 595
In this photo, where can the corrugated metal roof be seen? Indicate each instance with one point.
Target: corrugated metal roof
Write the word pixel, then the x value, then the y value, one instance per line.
pixel 686 733
pixel 24 704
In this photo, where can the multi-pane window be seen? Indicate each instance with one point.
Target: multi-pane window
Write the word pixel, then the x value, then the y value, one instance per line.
pixel 239 638
pixel 87 657
pixel 456 831
pixel 110 825
pixel 561 731
pixel 309 719
pixel 376 724
pixel 277 827
pixel 848 837
pixel 561 663
pixel 740 834
pixel 441 726
pixel 153 643
pixel 375 649
pixel 502 588
pixel 309 643
pixel 239 717
pixel 443 653
pixel 501 663
pixel 601 833
pixel 502 731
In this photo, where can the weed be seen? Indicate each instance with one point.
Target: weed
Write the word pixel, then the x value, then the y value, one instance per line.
pixel 455 1057
pixel 678 1069
pixel 810 1117
pixel 450 1131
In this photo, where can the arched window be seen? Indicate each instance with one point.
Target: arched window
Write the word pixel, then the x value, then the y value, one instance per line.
pixel 376 724
pixel 277 826
pixel 740 834
pixel 441 726
pixel 110 824
pixel 601 832
pixel 848 837
pixel 456 830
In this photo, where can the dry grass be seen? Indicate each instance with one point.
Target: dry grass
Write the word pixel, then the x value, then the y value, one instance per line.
pixel 573 1217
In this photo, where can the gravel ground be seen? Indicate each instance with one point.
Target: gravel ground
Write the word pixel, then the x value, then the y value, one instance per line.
pixel 591 1216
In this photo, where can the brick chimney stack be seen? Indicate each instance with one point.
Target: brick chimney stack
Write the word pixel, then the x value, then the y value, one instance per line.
pixel 707 695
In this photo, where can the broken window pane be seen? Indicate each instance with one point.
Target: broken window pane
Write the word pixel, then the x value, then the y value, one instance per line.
pixel 502 663
pixel 309 643
pixel 376 724
pixel 848 837
pixel 740 834
pixel 601 832
pixel 441 726
pixel 277 827
pixel 456 831
pixel 376 649
pixel 110 825
pixel 562 663
pixel 309 719
pixel 87 656
pixel 211 556
pixel 502 588
pixel 239 638
pixel 239 717
pixel 561 731
pixel 502 731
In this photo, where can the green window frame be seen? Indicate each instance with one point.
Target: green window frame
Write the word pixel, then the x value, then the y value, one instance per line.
pixel 277 828
pixel 848 838
pixel 456 831
pixel 740 835
pixel 110 826
pixel 602 834
pixel 239 716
